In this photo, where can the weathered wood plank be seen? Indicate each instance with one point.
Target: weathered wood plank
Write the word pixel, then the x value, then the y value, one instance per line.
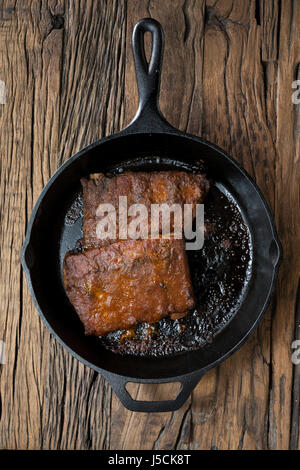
pixel 269 17
pixel 31 67
pixel 51 401
pixel 287 218
pixel 92 83
pixel 295 415
pixel 93 73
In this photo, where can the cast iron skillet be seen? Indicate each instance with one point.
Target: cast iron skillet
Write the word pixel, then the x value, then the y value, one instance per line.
pixel 48 238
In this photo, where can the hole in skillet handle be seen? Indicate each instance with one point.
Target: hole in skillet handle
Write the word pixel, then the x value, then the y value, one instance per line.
pixel 153 392
pixel 148 117
pixel 118 383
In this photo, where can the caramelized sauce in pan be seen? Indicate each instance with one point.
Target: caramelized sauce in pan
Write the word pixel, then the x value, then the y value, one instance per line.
pixel 220 273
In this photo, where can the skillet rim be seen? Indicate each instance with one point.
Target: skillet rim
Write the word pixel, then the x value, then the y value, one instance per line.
pixel 171 132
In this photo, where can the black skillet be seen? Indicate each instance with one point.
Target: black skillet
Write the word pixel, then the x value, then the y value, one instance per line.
pixel 49 237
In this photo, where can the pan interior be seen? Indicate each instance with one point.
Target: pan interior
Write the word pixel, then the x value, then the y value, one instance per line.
pixel 220 271
pixel 58 218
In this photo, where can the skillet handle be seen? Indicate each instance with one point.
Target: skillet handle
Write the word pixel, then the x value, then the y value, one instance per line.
pixel 118 383
pixel 148 117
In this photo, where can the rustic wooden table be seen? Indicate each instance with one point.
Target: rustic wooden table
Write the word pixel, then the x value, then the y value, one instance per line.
pixel 67 78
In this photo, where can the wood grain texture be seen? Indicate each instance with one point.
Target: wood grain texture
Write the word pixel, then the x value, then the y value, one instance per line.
pixel 227 76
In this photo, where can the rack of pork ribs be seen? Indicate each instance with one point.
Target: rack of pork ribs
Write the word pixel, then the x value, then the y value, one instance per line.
pixel 114 284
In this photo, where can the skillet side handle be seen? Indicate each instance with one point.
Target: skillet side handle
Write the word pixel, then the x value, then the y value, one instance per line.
pixel 148 117
pixel 118 383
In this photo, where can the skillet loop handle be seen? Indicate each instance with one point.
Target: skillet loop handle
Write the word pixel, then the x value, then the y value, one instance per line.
pixel 148 117
pixel 148 75
pixel 118 383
